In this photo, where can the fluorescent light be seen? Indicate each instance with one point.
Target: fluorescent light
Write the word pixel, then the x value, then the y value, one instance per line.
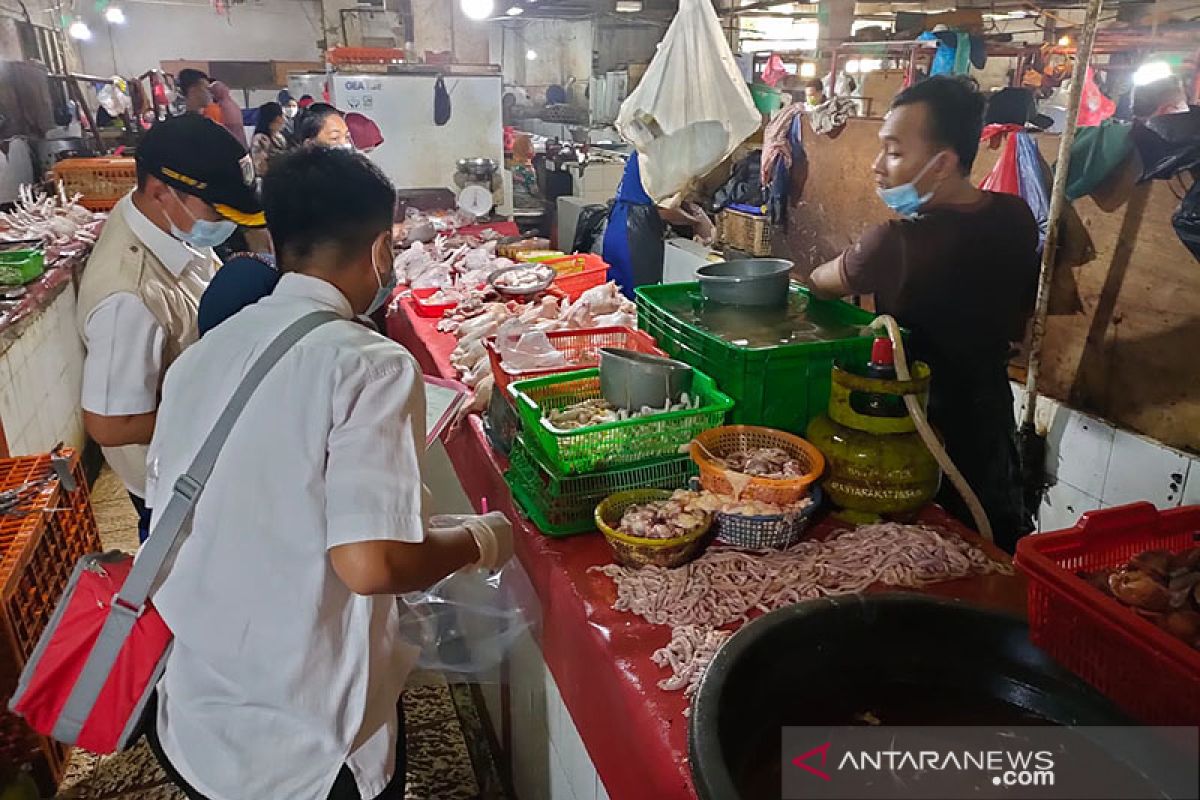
pixel 1065 41
pixel 477 9
pixel 79 30
pixel 1150 72
pixel 531 55
pixel 114 15
pixel 629 6
pixel 852 65
pixel 808 70
pixel 515 11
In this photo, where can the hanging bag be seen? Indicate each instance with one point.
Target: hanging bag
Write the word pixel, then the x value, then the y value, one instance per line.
pixel 441 102
pixel 103 651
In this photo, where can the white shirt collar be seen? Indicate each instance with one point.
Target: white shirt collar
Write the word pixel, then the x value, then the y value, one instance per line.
pixel 174 254
pixel 321 292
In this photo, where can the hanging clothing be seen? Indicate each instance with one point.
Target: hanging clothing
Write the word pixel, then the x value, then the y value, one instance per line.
pixel 633 240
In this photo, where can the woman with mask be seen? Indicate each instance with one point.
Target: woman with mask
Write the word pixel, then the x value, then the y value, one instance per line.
pixel 290 109
pixel 959 269
pixel 268 140
pixel 138 297
pixel 323 125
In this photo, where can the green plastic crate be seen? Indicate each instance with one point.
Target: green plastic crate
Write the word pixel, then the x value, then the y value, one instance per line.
pixel 613 443
pixel 781 387
pixel 19 267
pixel 564 505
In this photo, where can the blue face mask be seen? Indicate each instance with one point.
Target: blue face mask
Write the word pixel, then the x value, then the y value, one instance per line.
pixel 385 289
pixel 204 233
pixel 904 199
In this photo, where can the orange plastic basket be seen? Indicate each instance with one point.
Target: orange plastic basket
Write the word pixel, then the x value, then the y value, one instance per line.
pixel 39 547
pixel 581 347
pixel 579 272
pixel 1146 671
pixel 719 442
pixel 100 181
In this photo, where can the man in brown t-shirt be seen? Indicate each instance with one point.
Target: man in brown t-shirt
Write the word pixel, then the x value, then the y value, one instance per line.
pixel 959 270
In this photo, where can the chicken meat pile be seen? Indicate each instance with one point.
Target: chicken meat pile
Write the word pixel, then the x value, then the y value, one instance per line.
pixel 1161 586
pixel 764 462
pixel 662 519
pixel 56 220
pixel 598 411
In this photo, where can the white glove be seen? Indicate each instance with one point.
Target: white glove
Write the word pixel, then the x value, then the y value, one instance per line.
pixel 492 533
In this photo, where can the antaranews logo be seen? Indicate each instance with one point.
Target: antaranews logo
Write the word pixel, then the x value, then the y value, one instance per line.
pixel 1006 768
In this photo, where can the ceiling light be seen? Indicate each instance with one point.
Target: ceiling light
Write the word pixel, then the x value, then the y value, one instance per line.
pixel 477 9
pixel 629 6
pixel 531 55
pixel 114 15
pixel 1064 41
pixel 1150 72
pixel 852 65
pixel 515 11
pixel 808 70
pixel 79 30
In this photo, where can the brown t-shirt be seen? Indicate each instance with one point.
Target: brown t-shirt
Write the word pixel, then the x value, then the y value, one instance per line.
pixel 962 280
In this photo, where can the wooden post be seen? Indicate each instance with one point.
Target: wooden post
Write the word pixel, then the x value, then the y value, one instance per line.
pixel 1058 202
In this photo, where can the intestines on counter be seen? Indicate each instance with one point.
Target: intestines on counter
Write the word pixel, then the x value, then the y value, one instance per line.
pixel 1160 586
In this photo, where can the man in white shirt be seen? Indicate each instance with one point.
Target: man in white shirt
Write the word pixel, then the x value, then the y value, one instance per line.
pixel 286 668
pixel 142 285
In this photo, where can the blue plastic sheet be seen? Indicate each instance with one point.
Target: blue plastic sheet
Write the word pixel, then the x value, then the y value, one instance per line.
pixel 1031 179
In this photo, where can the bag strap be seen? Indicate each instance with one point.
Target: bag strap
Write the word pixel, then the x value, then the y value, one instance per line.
pixel 129 602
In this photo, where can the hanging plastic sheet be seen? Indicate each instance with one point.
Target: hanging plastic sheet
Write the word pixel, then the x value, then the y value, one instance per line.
pixel 692 108
pixel 1003 177
pixel 1094 107
pixel 1031 178
pixel 1186 220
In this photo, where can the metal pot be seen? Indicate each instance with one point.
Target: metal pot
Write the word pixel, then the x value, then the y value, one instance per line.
pixel 633 380
pixel 480 169
pixel 758 282
pixel 908 658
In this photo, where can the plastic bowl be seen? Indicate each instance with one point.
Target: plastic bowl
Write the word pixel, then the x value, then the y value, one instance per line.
pixel 636 551
pixel 755 282
pixel 548 274
pixel 633 380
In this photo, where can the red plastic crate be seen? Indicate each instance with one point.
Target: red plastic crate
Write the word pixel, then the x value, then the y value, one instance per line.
pixel 1149 673
pixel 579 272
pixel 38 551
pixel 582 348
pixel 430 310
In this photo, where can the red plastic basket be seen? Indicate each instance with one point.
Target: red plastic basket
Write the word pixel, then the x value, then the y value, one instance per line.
pixel 582 348
pixel 1149 673
pixel 429 310
pixel 579 272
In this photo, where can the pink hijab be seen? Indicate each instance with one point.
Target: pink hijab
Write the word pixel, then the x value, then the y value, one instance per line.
pixel 231 114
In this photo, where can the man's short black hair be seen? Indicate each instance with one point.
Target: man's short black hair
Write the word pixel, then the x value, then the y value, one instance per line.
pixel 189 78
pixel 955 113
pixel 314 196
pixel 815 83
pixel 312 119
pixel 1150 97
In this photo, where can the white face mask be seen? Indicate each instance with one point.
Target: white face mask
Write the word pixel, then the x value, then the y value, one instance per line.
pixel 290 111
pixel 385 289
pixel 204 233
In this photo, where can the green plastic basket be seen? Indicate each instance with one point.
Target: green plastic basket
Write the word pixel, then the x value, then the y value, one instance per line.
pixel 564 505
pixel 613 443
pixel 780 387
pixel 19 267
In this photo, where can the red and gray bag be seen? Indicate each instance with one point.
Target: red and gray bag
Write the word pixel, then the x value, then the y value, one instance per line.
pixel 102 653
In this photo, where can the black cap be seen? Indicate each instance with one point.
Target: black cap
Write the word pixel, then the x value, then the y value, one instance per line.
pixel 197 156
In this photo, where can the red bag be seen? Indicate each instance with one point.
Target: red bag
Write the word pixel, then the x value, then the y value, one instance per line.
pixel 1005 176
pixel 1094 107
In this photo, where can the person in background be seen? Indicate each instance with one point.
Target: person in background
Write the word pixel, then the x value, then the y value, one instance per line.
pixel 814 92
pixel 324 126
pixel 193 92
pixel 306 100
pixel 959 269
pixel 138 297
pixel 229 114
pixel 290 109
pixel 1163 96
pixel 268 140
pixel 312 521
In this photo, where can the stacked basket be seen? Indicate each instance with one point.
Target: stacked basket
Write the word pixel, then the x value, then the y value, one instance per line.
pixel 559 477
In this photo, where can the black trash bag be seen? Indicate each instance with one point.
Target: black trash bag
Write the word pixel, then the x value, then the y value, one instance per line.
pixel 589 228
pixel 744 186
pixel 1162 157
pixel 644 230
pixel 1186 219
pixel 441 102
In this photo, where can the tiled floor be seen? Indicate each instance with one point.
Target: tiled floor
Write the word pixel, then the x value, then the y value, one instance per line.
pixel 442 763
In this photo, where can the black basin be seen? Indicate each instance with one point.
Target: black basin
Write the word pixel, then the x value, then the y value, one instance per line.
pixel 907 659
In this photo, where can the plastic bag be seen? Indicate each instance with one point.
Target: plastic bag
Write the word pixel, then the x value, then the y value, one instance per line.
pixel 1094 107
pixel 468 622
pixel 692 107
pixel 1031 177
pixel 1003 177
pixel 1186 220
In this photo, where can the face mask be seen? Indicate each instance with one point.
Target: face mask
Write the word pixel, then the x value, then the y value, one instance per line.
pixel 385 289
pixel 347 146
pixel 204 233
pixel 904 199
pixel 290 112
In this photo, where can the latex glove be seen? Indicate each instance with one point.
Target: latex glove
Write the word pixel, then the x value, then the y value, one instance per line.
pixel 492 533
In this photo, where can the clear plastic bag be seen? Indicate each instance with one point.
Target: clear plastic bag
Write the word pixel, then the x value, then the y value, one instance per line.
pixel 469 621
pixel 692 108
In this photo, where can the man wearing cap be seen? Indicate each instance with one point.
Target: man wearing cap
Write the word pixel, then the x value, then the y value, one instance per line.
pixel 140 291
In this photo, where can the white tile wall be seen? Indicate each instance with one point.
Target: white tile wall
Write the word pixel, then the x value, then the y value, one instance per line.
pixel 1091 464
pixel 41 373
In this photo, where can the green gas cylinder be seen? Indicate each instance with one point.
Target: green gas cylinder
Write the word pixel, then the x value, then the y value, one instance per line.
pixel 877 462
